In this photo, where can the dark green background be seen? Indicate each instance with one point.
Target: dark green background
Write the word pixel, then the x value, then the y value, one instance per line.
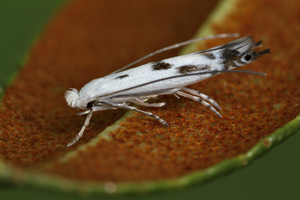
pixel 275 176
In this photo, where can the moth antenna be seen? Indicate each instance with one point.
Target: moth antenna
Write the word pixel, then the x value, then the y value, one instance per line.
pixel 224 35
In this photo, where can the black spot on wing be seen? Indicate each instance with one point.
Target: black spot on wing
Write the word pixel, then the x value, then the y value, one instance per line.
pixel 248 57
pixel 159 65
pixel 208 55
pixel 230 57
pixel 204 68
pixel 186 69
pixel 121 77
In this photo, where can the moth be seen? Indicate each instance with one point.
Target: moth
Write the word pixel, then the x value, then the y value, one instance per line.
pixel 125 88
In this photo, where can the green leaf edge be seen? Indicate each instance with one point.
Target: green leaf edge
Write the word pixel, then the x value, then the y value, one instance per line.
pixel 25 56
pixel 40 180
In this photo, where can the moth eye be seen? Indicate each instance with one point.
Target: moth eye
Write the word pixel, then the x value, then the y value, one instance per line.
pixel 89 105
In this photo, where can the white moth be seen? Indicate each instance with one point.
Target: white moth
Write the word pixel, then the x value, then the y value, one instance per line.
pixel 122 89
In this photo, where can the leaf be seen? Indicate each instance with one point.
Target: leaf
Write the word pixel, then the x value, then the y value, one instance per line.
pixel 68 55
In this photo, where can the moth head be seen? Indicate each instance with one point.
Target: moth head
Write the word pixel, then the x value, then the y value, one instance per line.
pixel 73 99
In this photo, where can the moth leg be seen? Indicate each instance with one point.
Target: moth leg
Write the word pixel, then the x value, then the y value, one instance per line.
pixel 199 100
pixel 86 123
pixel 142 103
pixel 149 114
pixel 203 96
pixel 176 96
pixel 126 107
